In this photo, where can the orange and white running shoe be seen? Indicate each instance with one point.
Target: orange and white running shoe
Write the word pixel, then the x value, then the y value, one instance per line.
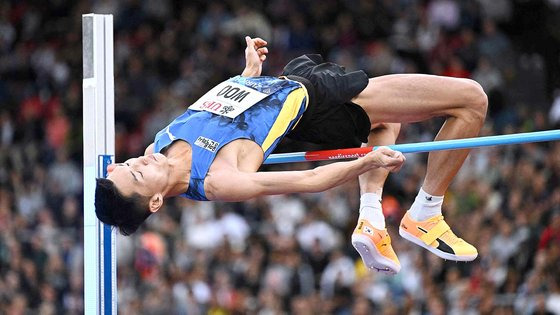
pixel 374 246
pixel 436 236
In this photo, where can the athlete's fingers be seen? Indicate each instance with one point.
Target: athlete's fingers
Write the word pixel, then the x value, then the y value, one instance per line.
pixel 396 156
pixel 390 152
pixel 396 168
pixel 388 158
pixel 251 55
pixel 384 151
pixel 397 161
pixel 255 50
pixel 251 46
pixel 259 42
pixel 399 156
pixel 255 43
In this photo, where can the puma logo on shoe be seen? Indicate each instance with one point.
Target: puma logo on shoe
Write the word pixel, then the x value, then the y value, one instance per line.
pixel 440 244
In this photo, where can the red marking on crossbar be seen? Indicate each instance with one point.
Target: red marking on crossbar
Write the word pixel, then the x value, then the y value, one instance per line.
pixel 337 154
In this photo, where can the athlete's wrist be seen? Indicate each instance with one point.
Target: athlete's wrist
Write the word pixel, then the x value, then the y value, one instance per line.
pixel 251 71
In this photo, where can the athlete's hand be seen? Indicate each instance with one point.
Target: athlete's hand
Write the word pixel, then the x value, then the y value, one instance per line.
pixel 387 158
pixel 255 55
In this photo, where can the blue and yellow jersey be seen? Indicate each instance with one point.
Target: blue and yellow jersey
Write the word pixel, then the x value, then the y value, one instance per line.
pixel 265 123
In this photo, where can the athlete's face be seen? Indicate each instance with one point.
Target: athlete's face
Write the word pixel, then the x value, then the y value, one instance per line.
pixel 145 175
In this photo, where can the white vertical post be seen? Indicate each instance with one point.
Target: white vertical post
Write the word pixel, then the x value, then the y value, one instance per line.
pixel 100 283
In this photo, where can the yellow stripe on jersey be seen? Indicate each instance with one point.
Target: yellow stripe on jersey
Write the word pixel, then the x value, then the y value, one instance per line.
pixel 288 113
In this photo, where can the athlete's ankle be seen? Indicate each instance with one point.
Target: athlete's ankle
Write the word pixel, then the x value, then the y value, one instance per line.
pixel 371 210
pixel 425 206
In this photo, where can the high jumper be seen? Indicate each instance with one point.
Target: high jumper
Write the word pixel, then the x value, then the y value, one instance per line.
pixel 213 151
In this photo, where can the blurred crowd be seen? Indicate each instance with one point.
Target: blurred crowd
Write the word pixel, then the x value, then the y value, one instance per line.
pixel 292 253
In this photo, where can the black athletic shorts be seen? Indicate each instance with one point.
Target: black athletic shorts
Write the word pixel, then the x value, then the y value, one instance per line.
pixel 331 118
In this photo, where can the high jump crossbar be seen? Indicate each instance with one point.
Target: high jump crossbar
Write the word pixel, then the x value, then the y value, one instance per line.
pixel 341 154
pixel 100 285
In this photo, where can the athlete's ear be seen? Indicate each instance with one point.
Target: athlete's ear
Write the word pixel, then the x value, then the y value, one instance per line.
pixel 155 203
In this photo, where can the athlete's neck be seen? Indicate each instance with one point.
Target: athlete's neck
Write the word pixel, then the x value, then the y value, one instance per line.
pixel 179 155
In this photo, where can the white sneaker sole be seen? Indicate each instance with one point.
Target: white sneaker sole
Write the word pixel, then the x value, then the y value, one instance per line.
pixel 372 258
pixel 435 251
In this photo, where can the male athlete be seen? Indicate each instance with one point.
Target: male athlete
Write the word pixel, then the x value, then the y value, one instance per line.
pixel 214 150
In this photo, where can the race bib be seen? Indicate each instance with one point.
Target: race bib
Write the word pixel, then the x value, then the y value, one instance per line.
pixel 228 99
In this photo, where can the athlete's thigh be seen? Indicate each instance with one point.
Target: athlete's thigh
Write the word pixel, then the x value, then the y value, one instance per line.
pixel 415 97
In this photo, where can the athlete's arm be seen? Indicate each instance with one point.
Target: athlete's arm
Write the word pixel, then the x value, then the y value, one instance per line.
pixel 255 55
pixel 237 186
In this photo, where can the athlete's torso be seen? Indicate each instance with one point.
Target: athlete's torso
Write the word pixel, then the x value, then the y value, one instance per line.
pixel 242 142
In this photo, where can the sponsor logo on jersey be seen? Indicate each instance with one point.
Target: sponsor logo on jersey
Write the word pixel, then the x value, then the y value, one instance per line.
pixel 207 144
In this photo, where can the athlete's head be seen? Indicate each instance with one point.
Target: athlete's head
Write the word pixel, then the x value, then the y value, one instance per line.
pixel 132 191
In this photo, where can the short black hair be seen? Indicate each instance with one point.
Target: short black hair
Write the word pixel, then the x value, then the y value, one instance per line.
pixel 113 208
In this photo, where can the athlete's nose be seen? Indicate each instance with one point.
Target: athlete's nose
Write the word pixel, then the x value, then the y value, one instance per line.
pixel 111 167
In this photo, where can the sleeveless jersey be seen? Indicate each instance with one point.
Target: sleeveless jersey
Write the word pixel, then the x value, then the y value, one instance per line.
pixel 265 123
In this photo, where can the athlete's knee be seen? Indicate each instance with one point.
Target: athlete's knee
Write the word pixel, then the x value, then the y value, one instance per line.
pixel 475 101
pixel 393 128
